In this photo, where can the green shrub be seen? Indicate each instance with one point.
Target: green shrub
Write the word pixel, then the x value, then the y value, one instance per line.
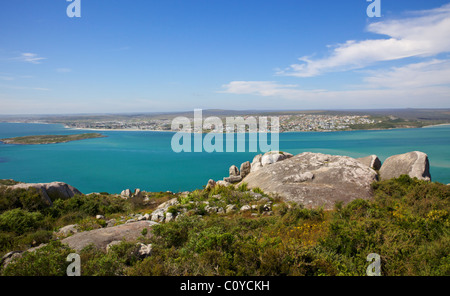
pixel 8 182
pixel 297 212
pixel 46 261
pixel 406 222
pixel 96 263
pixel 90 223
pixel 6 240
pixel 30 199
pixel 211 238
pixel 243 187
pixel 127 252
pixel 258 190
pixel 173 210
pixel 175 234
pixel 89 205
pixel 35 238
pixel 20 221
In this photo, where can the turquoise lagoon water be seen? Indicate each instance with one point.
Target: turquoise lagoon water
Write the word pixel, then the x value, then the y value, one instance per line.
pixel 145 160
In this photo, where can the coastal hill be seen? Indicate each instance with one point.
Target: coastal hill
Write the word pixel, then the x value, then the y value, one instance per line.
pixel 308 214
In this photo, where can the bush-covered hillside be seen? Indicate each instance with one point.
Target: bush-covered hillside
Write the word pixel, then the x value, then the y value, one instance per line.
pixel 406 223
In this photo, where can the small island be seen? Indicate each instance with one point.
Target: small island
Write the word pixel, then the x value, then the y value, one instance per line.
pixel 50 139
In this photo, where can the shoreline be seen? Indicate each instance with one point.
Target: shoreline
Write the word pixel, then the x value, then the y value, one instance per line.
pixel 425 126
pixel 170 131
pixel 115 130
pixel 284 132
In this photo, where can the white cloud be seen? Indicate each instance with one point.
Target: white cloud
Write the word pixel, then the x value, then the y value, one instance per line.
pixel 430 73
pixel 262 88
pixel 425 34
pixel 426 83
pixel 289 96
pixel 30 58
pixel 63 70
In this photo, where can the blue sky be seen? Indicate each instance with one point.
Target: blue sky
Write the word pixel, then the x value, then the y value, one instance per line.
pixel 166 55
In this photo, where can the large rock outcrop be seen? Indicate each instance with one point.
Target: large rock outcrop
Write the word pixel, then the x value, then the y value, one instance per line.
pixel 315 179
pixel 372 161
pixel 50 191
pixel 100 238
pixel 415 164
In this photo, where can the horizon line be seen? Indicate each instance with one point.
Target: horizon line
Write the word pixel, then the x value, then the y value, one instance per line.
pixel 220 110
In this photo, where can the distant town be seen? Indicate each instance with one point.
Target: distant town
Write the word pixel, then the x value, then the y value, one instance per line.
pixel 289 121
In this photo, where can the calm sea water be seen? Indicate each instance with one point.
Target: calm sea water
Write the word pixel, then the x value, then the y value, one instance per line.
pixel 145 160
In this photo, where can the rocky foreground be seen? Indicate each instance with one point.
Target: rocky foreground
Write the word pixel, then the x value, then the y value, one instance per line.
pixel 311 179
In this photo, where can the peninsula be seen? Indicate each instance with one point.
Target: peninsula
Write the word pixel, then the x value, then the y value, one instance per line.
pixel 50 139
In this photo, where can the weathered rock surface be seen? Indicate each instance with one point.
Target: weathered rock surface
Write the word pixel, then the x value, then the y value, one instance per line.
pixel 67 230
pixel 233 179
pixel 273 157
pixel 414 164
pixel 223 183
pixel 211 183
pixel 234 171
pixel 111 244
pixel 100 238
pixel 268 158
pixel 372 161
pixel 158 214
pixel 144 250
pixel 126 193
pixel 111 222
pixel 50 191
pixel 11 256
pixel 138 193
pixel 230 209
pixel 169 217
pixel 315 179
pixel 245 208
pixel 165 205
pixel 245 169
pixel 256 163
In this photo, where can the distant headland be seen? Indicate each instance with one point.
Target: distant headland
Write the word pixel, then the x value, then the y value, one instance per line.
pixel 50 139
